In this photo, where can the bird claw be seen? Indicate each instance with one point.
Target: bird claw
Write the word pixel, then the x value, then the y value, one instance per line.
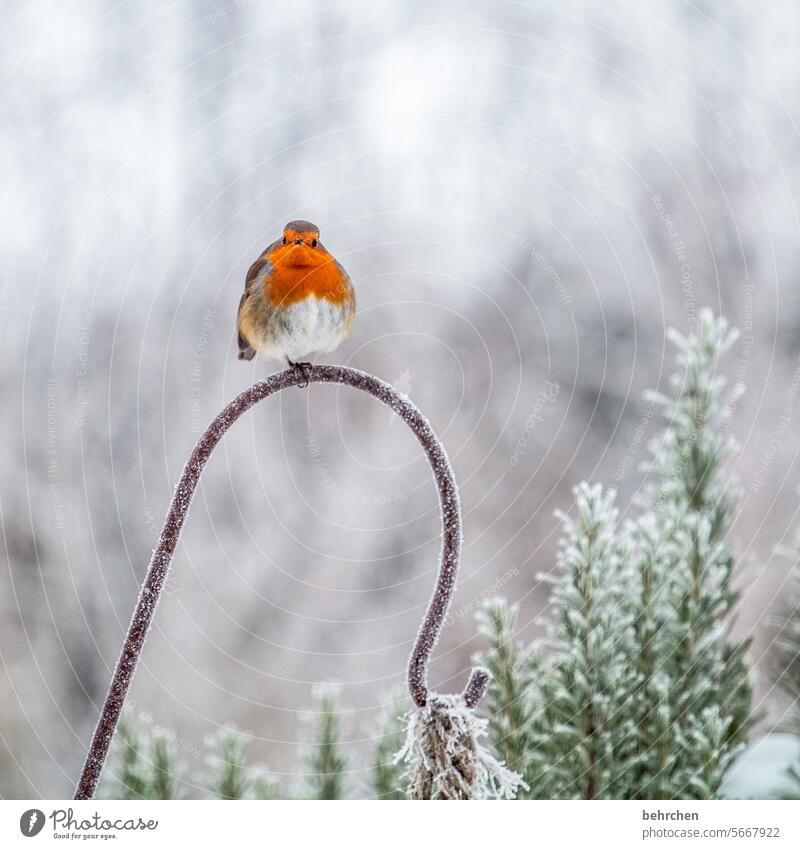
pixel 304 369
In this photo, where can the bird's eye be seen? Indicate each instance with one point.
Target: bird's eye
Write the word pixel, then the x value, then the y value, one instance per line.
pixel 284 240
pixel 314 243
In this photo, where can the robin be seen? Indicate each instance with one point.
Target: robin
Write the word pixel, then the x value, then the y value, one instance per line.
pixel 297 299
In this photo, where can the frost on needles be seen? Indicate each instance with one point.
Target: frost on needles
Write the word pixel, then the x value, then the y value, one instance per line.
pixel 638 690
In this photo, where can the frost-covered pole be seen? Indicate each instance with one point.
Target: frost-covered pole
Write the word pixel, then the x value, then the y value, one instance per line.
pixel 162 556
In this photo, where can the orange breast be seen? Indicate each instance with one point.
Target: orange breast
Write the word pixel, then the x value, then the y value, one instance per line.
pixel 290 283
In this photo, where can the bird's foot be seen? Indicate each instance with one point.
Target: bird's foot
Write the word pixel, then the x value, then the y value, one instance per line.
pixel 304 369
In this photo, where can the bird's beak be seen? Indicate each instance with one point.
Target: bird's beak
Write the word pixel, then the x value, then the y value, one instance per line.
pixel 299 253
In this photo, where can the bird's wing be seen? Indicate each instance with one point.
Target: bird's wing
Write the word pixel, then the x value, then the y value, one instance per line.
pixel 245 351
pixel 256 269
pixel 350 303
pixel 254 274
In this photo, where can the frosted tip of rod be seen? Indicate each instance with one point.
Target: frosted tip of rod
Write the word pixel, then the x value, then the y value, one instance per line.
pixel 476 686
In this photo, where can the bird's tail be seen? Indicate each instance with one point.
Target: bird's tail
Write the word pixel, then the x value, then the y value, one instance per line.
pixel 245 351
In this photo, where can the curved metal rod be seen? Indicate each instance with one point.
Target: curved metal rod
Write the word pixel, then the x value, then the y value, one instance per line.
pixel 162 556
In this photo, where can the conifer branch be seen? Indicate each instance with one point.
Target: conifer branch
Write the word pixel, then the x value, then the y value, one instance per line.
pixel 325 761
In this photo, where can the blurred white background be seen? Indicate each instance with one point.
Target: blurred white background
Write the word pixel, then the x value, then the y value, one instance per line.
pixel 526 195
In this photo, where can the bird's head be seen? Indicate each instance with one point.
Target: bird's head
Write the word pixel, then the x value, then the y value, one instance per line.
pixel 301 246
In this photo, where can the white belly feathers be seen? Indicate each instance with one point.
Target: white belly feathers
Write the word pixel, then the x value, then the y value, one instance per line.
pixel 310 325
